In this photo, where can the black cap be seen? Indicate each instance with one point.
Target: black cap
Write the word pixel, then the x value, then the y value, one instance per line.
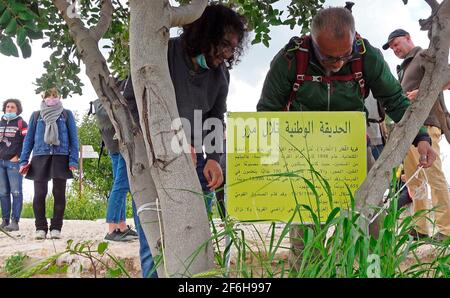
pixel 394 34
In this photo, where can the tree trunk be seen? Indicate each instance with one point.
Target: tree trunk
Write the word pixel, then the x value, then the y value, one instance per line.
pixel 131 141
pixel 188 249
pixel 437 74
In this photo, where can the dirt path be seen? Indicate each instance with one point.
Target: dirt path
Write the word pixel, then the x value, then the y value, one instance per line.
pixel 78 231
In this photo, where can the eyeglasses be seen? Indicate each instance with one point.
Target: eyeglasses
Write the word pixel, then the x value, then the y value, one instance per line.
pixel 330 59
pixel 227 48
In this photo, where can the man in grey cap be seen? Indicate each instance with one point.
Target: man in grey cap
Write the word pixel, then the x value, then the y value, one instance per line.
pixel 410 74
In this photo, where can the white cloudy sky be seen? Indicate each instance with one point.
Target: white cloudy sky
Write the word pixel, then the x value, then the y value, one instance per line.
pixel 375 19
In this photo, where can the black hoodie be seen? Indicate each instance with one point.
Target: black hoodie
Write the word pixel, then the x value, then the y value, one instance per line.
pixel 12 134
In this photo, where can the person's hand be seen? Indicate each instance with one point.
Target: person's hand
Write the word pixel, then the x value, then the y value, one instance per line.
pixel 24 169
pixel 412 94
pixel 194 156
pixel 72 168
pixel 426 153
pixel 213 174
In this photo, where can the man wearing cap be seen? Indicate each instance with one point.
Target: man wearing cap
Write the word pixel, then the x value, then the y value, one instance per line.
pixel 410 74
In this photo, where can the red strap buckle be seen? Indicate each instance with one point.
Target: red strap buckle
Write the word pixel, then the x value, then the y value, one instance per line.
pixel 317 79
pixel 361 83
pixel 295 87
pixel 358 75
pixel 300 77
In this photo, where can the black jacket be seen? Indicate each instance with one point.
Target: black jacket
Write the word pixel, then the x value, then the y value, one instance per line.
pixel 12 134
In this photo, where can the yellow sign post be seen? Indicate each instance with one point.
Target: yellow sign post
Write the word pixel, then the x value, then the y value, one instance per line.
pixel 277 161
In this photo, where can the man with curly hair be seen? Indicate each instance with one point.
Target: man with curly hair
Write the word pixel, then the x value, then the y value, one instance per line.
pixel 199 62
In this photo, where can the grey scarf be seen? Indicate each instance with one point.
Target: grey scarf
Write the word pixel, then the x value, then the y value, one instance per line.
pixel 50 115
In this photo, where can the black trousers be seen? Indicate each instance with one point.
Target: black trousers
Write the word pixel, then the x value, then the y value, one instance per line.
pixel 59 196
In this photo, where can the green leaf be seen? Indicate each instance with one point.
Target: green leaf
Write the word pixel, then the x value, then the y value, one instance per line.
pixel 35 34
pixel 21 36
pixel 7 47
pixel 12 27
pixel 102 246
pixel 26 49
pixel 24 15
pixel 5 18
pixel 18 7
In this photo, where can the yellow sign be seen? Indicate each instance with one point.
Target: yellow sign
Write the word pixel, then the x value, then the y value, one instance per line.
pixel 278 161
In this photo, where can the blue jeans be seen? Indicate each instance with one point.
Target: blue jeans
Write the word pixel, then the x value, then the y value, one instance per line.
pixel 10 184
pixel 147 262
pixel 208 195
pixel 116 210
pixel 145 254
pixel 376 150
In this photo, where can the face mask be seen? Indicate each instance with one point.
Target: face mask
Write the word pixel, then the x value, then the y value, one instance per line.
pixel 51 101
pixel 201 61
pixel 10 115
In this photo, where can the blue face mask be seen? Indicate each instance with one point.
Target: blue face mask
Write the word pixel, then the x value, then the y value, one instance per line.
pixel 10 115
pixel 201 61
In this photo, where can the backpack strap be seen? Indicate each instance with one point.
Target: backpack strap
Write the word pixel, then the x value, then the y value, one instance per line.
pixel 23 131
pixel 100 155
pixel 65 114
pixel 37 114
pixel 302 60
pixel 357 67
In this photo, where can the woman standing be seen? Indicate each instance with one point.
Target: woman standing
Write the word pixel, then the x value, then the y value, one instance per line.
pixel 52 137
pixel 12 132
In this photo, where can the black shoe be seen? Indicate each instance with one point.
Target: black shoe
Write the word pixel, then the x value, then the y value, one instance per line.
pixel 131 232
pixel 439 237
pixel 5 222
pixel 119 236
pixel 418 236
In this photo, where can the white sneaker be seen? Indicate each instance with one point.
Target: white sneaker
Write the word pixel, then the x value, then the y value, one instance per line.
pixel 40 234
pixel 55 234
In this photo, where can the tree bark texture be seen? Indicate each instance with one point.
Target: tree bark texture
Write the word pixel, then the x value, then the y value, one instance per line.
pixel 188 249
pixel 131 141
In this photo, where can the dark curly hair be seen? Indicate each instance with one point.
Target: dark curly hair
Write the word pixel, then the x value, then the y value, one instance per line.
pixel 14 101
pixel 208 32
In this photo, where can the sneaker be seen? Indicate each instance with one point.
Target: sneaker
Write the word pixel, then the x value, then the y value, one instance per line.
pixel 418 236
pixel 55 234
pixel 13 226
pixel 5 222
pixel 439 237
pixel 119 236
pixel 40 234
pixel 131 232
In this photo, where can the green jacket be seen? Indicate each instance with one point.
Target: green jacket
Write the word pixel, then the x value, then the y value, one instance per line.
pixel 339 96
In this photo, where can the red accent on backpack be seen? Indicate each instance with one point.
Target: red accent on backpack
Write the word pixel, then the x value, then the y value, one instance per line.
pixel 302 60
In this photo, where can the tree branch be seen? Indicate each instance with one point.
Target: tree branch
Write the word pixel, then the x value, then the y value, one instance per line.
pixel 186 14
pixel 433 4
pixel 426 24
pixel 106 13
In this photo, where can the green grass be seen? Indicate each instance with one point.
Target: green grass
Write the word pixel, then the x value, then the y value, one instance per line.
pixel 15 263
pixel 350 251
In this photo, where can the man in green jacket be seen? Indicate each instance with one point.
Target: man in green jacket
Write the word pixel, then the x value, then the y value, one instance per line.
pixel 333 48
pixel 336 74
